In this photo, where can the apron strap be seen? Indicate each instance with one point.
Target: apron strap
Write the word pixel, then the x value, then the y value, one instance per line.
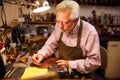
pixel 61 35
pixel 79 33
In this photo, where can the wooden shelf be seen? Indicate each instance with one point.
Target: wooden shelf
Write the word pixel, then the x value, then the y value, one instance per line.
pixel 38 22
pixel 110 25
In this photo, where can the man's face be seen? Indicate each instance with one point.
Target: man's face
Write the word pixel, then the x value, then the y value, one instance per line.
pixel 63 20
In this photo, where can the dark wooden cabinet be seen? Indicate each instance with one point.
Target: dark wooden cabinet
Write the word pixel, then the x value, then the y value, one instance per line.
pixel 111 29
pixel 93 2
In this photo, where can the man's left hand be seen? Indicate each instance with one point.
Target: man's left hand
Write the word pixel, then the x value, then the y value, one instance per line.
pixel 62 63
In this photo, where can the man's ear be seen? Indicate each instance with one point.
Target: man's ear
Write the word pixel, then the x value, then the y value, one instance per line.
pixel 76 20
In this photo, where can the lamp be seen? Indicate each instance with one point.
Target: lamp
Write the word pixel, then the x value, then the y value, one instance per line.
pixel 42 5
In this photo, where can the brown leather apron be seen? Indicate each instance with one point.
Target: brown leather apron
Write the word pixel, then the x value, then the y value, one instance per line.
pixel 72 53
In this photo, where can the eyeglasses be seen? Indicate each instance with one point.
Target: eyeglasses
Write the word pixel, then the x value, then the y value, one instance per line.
pixel 64 23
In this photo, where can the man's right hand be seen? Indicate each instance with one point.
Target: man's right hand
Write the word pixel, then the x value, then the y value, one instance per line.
pixel 37 58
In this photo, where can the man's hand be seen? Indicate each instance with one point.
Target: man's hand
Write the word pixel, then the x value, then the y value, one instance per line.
pixel 62 63
pixel 37 58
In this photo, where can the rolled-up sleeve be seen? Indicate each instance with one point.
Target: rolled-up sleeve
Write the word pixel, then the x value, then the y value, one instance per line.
pixel 51 44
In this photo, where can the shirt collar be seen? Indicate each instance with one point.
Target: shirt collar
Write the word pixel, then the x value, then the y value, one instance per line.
pixel 75 29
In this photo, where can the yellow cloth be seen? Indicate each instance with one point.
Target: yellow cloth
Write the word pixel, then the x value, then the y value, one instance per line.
pixel 33 72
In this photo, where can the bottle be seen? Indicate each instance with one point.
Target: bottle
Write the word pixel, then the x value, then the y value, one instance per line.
pixel 45 33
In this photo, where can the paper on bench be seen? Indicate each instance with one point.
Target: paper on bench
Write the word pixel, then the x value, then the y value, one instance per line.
pixel 31 72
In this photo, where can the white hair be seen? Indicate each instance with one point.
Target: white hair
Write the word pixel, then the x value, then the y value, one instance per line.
pixel 69 4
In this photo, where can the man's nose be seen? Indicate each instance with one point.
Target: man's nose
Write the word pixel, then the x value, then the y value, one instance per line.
pixel 61 25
